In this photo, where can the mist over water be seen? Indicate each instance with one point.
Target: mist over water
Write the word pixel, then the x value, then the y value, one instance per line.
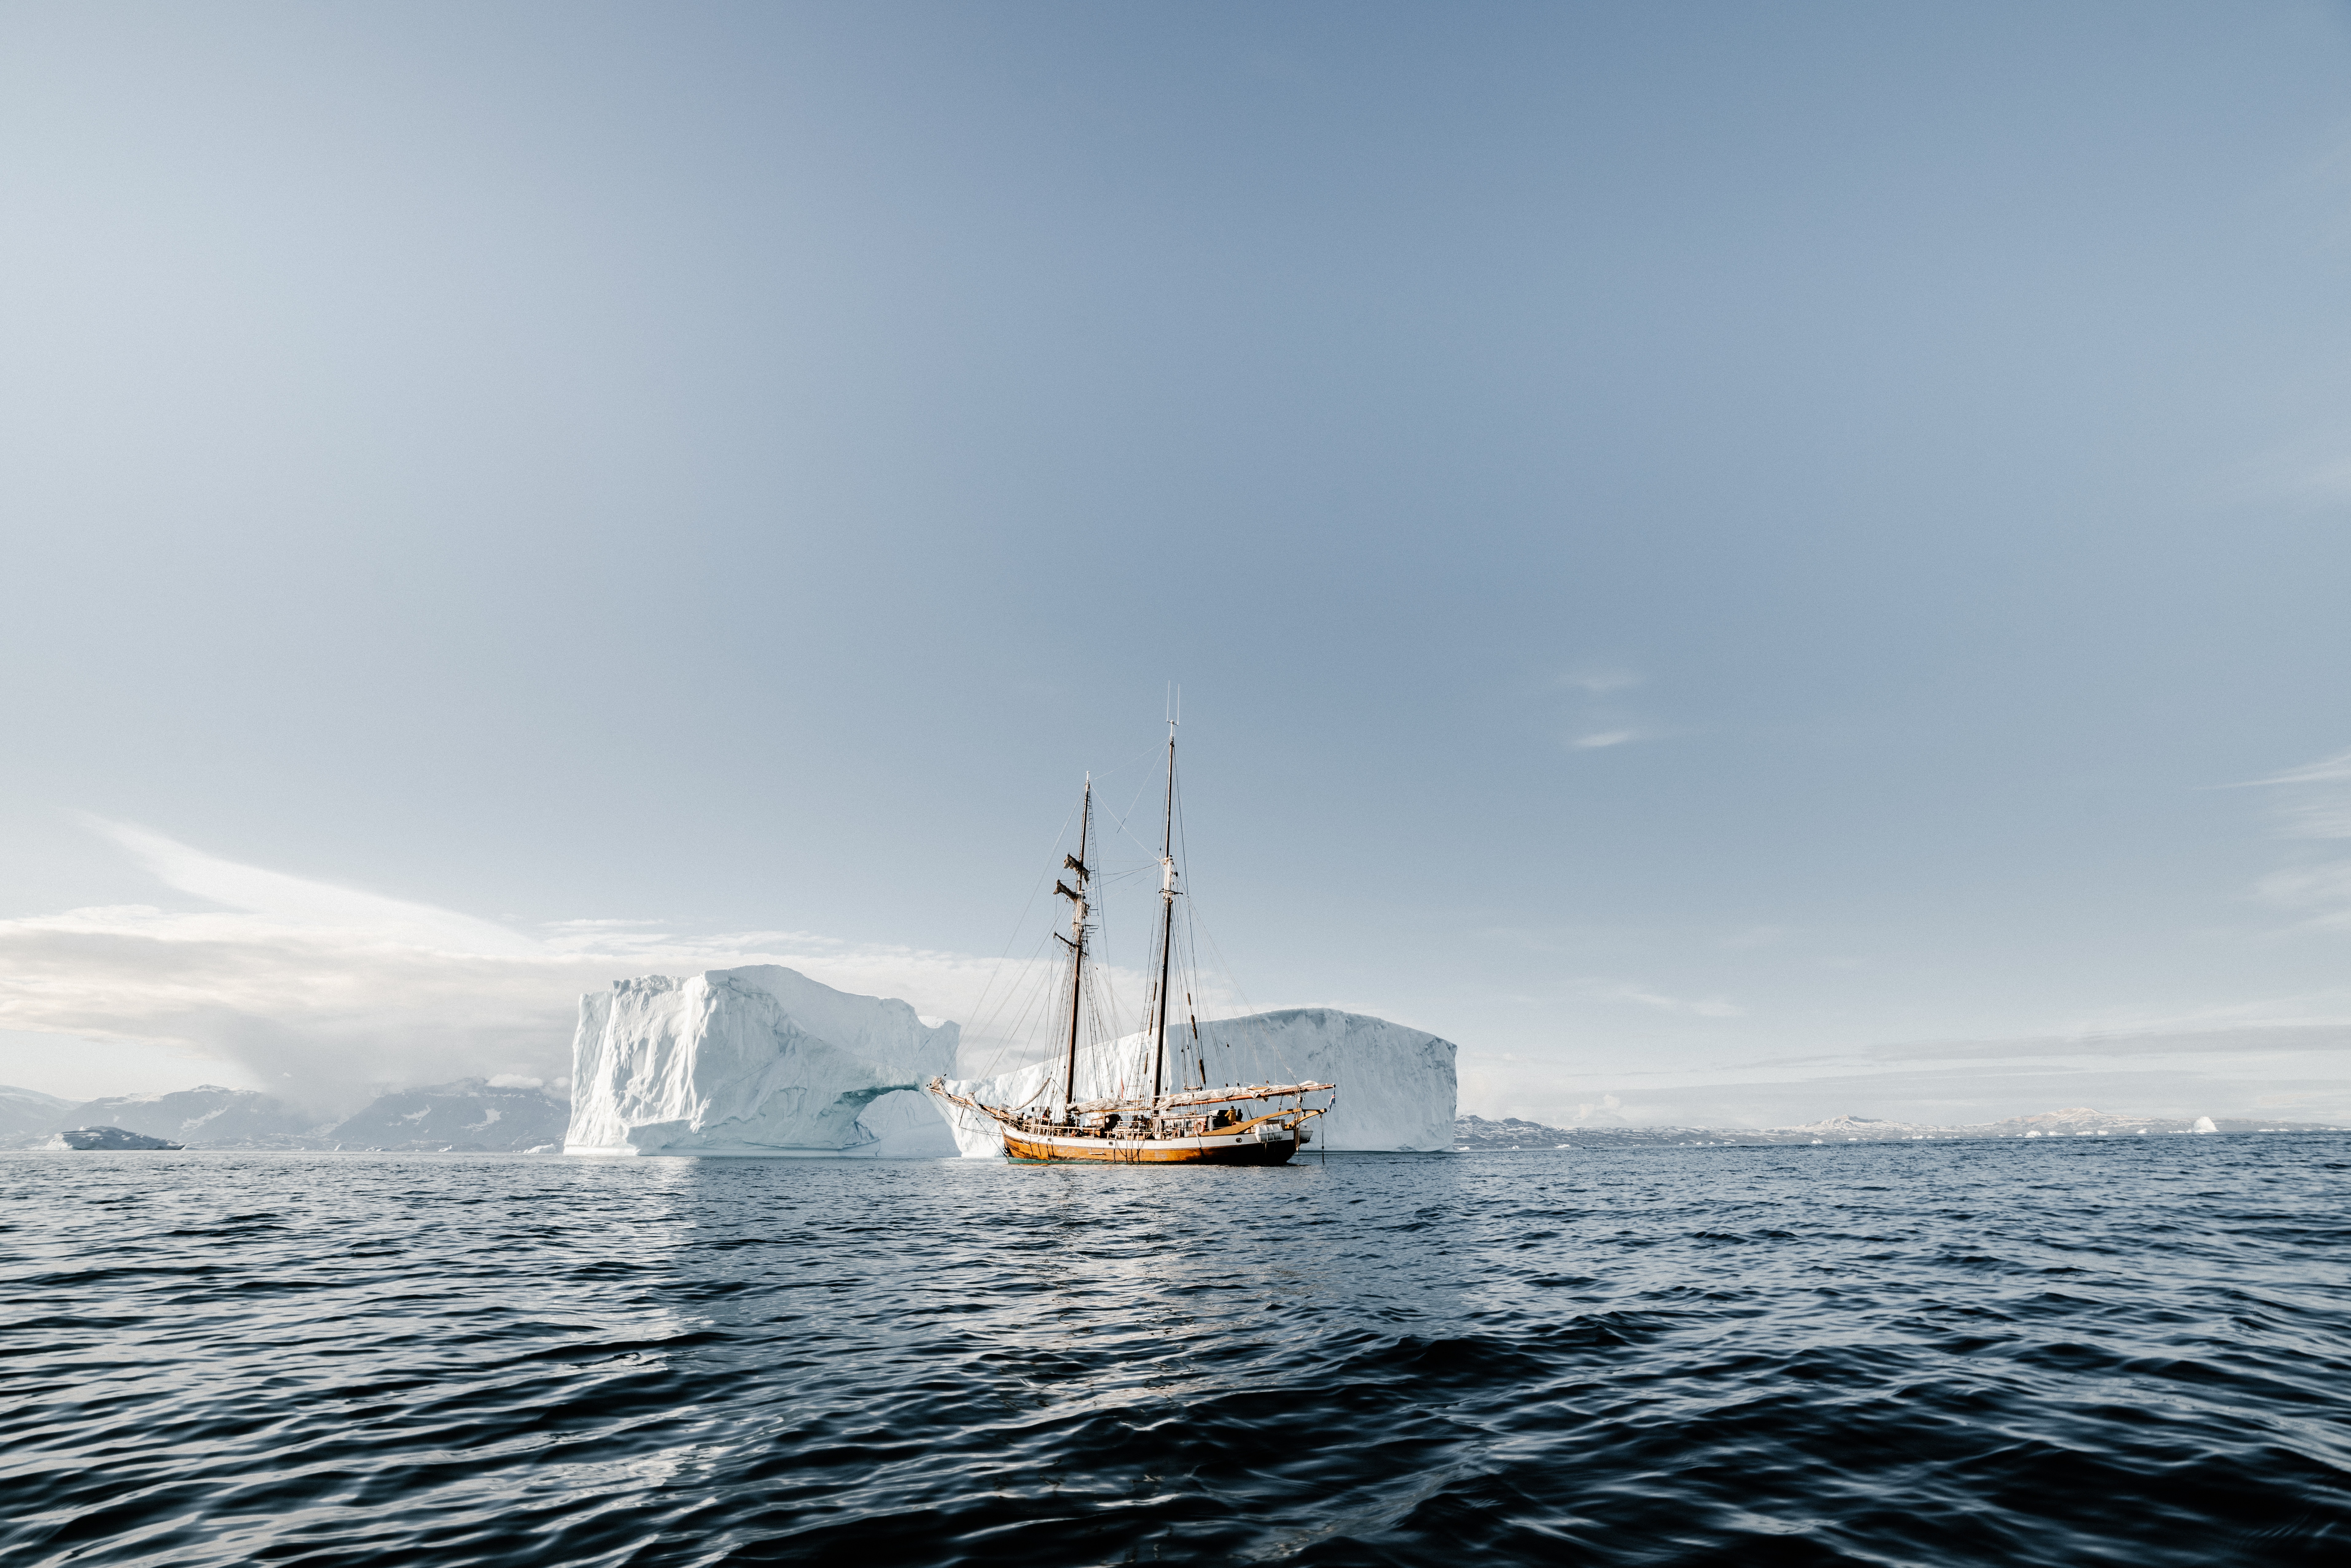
pixel 2078 1352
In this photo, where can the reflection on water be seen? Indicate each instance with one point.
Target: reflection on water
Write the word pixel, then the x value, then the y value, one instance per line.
pixel 1947 1353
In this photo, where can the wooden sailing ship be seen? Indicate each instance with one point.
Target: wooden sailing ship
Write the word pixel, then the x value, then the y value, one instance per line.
pixel 1188 1124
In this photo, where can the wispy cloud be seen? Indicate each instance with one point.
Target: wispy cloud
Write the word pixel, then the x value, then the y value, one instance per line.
pixel 1599 682
pixel 2334 769
pixel 2323 890
pixel 2312 803
pixel 316 906
pixel 1603 723
pixel 1708 1009
pixel 2325 481
pixel 2311 472
pixel 328 990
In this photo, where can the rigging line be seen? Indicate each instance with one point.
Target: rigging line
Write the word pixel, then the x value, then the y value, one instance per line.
pixel 1146 784
pixel 1193 917
pixel 1022 992
pixel 1192 905
pixel 1036 890
pixel 1012 992
pixel 1225 965
pixel 1150 753
pixel 1005 1039
pixel 1141 754
pixel 1040 990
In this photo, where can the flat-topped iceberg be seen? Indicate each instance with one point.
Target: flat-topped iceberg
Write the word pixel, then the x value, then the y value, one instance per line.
pixel 1395 1084
pixel 756 1060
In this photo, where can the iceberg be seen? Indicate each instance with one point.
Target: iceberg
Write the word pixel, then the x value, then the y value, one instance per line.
pixel 1395 1084
pixel 755 1060
pixel 109 1138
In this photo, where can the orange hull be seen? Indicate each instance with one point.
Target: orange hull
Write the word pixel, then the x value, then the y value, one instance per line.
pixel 1245 1149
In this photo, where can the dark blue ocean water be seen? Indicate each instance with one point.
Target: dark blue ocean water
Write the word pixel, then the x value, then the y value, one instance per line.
pixel 2068 1352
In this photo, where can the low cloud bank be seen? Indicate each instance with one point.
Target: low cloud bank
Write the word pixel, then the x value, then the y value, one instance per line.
pixel 2298 1071
pixel 328 995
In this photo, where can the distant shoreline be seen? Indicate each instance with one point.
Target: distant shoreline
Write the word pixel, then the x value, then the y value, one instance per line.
pixel 1476 1132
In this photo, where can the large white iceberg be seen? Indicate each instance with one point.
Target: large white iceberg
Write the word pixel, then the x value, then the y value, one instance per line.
pixel 756 1060
pixel 1395 1084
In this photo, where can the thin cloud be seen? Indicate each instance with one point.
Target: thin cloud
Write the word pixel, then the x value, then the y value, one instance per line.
pixel 2324 890
pixel 1648 998
pixel 1605 723
pixel 2253 1040
pixel 2334 769
pixel 316 906
pixel 2323 818
pixel 2314 804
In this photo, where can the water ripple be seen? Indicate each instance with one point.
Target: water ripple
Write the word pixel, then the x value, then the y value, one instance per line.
pixel 1988 1354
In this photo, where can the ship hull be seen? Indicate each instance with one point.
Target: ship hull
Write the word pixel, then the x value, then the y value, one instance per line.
pixel 1044 1148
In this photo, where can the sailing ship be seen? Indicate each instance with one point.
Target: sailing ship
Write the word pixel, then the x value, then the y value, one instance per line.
pixel 1182 1123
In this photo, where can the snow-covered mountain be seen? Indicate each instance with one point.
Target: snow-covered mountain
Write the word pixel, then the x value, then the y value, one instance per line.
pixel 207 1116
pixel 1395 1084
pixel 755 1060
pixel 30 1111
pixel 469 1114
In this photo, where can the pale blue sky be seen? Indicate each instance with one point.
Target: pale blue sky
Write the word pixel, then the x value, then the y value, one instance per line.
pixel 1693 536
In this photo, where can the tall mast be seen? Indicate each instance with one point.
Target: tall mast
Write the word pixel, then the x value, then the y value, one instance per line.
pixel 1166 922
pixel 1076 939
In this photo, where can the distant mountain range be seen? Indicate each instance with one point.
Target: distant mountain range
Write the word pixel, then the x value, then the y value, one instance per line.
pixel 29 1111
pixel 1512 1132
pixel 469 1115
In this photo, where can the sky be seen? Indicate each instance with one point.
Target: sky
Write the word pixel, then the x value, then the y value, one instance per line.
pixel 1741 563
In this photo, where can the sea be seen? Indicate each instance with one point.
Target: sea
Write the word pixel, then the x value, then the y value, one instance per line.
pixel 2065 1351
